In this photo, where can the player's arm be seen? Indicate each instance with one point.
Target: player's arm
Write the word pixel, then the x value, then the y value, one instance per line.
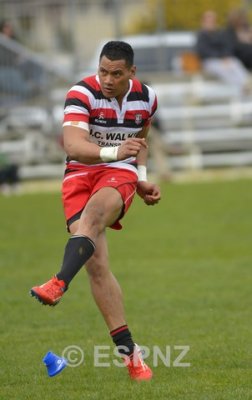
pixel 78 147
pixel 149 192
pixel 143 153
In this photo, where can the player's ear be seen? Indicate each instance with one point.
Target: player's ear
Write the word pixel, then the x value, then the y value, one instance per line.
pixel 132 71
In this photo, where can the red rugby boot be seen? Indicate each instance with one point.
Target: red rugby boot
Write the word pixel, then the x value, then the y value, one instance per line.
pixel 50 292
pixel 138 370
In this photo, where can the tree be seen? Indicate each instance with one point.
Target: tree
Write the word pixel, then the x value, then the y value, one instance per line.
pixel 181 14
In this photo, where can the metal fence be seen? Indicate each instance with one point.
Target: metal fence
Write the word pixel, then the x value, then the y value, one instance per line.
pixel 69 27
pixel 61 36
pixel 51 41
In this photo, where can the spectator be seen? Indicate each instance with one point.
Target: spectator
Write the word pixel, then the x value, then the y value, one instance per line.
pixel 19 74
pixel 9 177
pixel 215 51
pixel 7 29
pixel 7 57
pixel 239 33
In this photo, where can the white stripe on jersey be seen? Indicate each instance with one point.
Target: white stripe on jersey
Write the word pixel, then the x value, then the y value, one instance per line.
pixel 102 103
pixel 83 90
pixel 123 165
pixel 77 124
pixel 105 137
pixel 116 164
pixel 75 110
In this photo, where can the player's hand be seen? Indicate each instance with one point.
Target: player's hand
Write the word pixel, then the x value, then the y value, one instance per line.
pixel 130 148
pixel 149 192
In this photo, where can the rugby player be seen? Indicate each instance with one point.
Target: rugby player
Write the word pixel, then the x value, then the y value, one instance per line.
pixel 106 120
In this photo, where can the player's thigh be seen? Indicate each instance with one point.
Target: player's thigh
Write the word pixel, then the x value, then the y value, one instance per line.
pixel 102 210
pixel 105 205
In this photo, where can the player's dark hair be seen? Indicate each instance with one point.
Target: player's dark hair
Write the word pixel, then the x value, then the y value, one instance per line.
pixel 118 50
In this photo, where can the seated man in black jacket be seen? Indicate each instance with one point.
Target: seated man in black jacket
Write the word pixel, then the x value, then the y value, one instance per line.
pixel 239 33
pixel 215 52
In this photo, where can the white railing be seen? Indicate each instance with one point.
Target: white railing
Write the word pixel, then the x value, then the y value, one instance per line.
pixel 211 127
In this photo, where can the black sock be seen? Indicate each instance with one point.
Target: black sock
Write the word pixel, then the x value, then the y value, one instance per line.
pixel 77 251
pixel 122 337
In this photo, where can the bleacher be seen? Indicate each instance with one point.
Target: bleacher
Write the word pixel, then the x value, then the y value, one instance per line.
pixel 30 124
pixel 205 124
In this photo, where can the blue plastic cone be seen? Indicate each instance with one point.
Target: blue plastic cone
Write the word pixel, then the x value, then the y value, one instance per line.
pixel 54 363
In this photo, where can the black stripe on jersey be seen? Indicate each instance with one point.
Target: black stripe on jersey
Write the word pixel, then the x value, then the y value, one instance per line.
pixel 73 101
pixel 96 93
pixel 108 122
pixel 112 122
pixel 143 95
pixel 68 170
pixel 131 123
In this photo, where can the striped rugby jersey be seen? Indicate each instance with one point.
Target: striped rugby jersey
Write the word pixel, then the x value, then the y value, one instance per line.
pixel 108 125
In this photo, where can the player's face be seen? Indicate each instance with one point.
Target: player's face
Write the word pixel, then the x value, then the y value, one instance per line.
pixel 114 77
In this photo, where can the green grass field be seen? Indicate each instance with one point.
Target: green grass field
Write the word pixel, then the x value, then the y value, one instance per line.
pixel 185 269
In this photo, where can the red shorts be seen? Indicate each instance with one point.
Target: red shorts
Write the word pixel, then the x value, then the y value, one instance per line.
pixel 80 183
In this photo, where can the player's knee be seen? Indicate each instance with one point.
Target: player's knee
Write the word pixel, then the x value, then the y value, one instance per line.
pixel 98 217
pixel 97 270
pixel 95 216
